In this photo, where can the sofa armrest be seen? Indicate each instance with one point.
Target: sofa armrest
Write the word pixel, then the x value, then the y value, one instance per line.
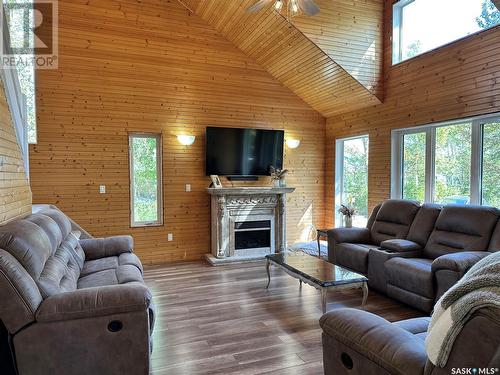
pixel 351 235
pixel 400 246
pixel 459 262
pixel 389 346
pixel 93 302
pixel 96 248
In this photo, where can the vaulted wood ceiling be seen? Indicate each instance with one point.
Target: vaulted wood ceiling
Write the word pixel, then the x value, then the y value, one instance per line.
pixel 332 60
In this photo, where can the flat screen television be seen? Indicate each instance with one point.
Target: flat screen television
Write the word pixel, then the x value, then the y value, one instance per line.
pixel 243 152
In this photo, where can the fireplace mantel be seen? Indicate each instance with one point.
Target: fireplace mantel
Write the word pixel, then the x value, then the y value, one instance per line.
pixel 255 190
pixel 232 206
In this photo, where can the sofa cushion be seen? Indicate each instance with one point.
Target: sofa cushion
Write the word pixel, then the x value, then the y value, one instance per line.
pixel 423 224
pixel 120 275
pixel 412 274
pixel 393 220
pixel 353 256
pixel 28 243
pixel 461 228
pixel 60 218
pixel 46 248
pixel 93 266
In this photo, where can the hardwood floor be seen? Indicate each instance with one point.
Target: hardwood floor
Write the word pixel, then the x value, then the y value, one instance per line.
pixel 222 320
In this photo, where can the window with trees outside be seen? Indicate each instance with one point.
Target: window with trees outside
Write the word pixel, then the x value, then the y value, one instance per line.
pixel 422 25
pixel 448 163
pixel 145 179
pixel 351 178
pixel 26 72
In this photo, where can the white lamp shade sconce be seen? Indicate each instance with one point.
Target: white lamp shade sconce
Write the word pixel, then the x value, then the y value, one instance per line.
pixel 186 140
pixel 293 143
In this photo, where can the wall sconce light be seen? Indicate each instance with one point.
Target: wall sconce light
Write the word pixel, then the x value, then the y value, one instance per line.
pixel 186 140
pixel 293 143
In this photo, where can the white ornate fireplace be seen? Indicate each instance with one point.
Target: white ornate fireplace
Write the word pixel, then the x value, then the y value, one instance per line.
pixel 247 223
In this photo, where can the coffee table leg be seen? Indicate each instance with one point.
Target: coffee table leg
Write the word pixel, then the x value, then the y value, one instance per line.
pixel 323 299
pixel 268 264
pixel 365 293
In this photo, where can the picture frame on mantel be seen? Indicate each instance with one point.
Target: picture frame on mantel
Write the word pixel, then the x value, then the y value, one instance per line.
pixel 216 181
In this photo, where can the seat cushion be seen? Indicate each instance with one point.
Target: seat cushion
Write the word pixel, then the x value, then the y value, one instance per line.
pixel 93 266
pixel 353 256
pixel 411 274
pixel 119 275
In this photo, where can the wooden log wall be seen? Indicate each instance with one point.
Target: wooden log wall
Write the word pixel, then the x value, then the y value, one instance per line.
pixel 455 81
pixel 151 66
pixel 15 193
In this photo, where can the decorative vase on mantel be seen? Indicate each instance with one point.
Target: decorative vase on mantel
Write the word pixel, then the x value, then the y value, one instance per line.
pixel 348 221
pixel 276 183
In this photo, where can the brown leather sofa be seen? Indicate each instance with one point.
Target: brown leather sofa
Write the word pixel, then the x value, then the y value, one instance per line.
pixel 413 252
pixel 70 305
pixel 356 342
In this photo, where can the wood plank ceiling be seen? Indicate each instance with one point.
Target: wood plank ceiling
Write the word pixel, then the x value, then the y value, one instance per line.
pixel 289 55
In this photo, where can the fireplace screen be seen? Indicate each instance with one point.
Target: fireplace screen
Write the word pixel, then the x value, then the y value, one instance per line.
pixel 252 234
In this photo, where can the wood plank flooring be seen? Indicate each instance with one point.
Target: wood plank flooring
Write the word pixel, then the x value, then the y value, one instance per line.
pixel 222 320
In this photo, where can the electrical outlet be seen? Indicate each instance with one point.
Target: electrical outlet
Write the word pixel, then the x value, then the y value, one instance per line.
pixel 188 188
pixel 102 189
pixel 170 237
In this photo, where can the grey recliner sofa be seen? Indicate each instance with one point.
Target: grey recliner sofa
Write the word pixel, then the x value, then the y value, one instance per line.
pixel 72 306
pixel 413 252
pixel 356 342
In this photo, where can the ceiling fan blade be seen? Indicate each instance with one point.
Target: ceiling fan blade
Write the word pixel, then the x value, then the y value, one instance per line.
pixel 309 7
pixel 258 6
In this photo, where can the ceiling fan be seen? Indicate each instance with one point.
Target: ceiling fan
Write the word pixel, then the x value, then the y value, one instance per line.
pixel 289 8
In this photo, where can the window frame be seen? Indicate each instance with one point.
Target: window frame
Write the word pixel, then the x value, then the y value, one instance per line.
pixel 339 172
pixel 397 138
pixel 159 169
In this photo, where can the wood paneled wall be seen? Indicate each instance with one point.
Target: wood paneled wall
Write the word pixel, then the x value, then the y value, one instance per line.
pixel 15 193
pixel 455 81
pixel 151 66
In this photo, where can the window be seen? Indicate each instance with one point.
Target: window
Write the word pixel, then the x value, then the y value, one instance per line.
pixel 449 163
pixel 414 145
pixel 490 188
pixel 351 178
pixel 25 72
pixel 145 180
pixel 422 25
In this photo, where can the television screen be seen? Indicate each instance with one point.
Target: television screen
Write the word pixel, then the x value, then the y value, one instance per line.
pixel 243 152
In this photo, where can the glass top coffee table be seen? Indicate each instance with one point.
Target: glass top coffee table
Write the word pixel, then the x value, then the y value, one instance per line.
pixel 318 273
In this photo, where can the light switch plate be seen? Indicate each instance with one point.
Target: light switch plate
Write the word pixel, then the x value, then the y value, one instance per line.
pixel 170 237
pixel 102 189
pixel 188 188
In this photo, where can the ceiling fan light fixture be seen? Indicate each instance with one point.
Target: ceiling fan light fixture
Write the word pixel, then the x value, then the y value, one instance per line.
pixel 295 7
pixel 278 5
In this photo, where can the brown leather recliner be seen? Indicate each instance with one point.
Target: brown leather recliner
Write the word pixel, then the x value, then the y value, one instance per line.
pixel 72 306
pixel 415 253
pixel 356 342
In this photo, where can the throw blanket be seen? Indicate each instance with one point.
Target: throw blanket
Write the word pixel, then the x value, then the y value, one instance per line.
pixel 480 287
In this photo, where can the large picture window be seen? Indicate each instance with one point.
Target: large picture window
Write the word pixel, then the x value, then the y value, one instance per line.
pixel 448 163
pixel 422 25
pixel 351 178
pixel 145 180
